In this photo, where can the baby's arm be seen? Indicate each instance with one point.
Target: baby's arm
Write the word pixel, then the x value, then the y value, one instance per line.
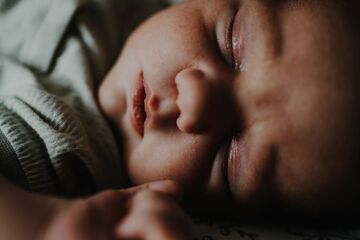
pixel 145 212
pixel 24 215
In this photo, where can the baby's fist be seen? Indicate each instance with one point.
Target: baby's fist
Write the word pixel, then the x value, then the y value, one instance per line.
pixel 154 214
pixel 149 211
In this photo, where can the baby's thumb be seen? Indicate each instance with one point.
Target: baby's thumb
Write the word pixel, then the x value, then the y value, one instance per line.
pixel 168 187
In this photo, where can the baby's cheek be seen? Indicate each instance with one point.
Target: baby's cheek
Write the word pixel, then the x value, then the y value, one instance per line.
pixel 176 156
pixel 111 100
pixel 308 174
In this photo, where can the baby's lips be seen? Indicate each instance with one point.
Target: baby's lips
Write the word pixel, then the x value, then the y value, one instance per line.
pixel 138 115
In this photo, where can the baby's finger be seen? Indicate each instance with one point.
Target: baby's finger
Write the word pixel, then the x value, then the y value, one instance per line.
pixel 154 216
pixel 168 187
pixel 153 228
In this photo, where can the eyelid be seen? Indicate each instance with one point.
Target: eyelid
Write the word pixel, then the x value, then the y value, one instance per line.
pixel 224 36
pixel 238 41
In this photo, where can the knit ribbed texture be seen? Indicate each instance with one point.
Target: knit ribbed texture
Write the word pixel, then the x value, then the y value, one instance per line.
pixel 9 164
pixel 30 152
pixel 53 56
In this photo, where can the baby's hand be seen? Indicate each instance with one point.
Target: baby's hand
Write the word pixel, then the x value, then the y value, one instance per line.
pixel 149 211
pixel 154 215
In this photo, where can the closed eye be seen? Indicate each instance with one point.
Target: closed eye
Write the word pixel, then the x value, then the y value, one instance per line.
pixel 224 37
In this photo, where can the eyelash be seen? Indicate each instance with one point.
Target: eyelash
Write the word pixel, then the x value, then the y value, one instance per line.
pixel 229 42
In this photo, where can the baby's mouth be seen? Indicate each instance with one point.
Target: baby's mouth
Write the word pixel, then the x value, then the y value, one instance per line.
pixel 138 114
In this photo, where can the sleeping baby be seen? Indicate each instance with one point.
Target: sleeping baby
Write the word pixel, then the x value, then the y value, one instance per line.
pixel 219 107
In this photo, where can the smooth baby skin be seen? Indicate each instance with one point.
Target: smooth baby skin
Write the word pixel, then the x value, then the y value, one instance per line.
pixel 149 211
pixel 252 105
pixel 251 119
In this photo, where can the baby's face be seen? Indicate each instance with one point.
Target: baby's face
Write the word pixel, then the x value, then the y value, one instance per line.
pixel 251 104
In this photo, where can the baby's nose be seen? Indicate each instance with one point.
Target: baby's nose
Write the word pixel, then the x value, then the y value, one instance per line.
pixel 202 101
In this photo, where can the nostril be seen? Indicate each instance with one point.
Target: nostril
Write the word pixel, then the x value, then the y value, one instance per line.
pixel 188 124
pixel 154 103
pixel 204 101
pixel 163 111
pixel 192 100
pixel 168 108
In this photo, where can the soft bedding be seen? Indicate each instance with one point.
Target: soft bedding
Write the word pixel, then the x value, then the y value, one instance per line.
pixel 208 229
